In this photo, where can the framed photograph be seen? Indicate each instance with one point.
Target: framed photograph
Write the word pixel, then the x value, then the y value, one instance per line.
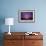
pixel 26 16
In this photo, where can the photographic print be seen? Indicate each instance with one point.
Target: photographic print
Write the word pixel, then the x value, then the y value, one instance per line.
pixel 26 16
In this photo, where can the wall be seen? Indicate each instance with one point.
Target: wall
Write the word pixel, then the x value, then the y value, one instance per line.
pixel 9 8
